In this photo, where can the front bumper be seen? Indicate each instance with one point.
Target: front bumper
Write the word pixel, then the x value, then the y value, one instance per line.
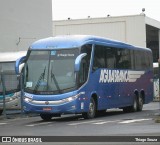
pixel 67 105
pixel 67 108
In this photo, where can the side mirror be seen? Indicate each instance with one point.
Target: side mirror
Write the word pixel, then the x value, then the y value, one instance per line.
pixel 78 61
pixel 18 64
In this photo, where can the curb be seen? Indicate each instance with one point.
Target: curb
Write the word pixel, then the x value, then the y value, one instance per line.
pixel 17 115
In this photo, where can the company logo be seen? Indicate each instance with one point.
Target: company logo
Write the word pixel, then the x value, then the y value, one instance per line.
pixel 6 139
pixel 47 103
pixel 107 76
pixel 21 139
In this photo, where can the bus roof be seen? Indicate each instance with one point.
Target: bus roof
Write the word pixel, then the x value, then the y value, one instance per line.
pixel 11 56
pixel 72 41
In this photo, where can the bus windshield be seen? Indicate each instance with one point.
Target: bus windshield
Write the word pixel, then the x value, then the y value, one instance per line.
pixel 50 72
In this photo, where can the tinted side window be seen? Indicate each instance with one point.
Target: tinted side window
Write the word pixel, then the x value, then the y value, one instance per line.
pixel 149 60
pixel 138 64
pixel 98 61
pixel 143 60
pixel 87 49
pixel 110 58
pixel 120 58
pixel 123 59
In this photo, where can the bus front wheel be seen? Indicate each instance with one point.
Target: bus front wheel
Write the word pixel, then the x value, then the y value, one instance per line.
pixel 92 110
pixel 46 117
pixel 1 111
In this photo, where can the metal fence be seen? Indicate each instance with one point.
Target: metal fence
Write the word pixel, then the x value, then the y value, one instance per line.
pixel 10 90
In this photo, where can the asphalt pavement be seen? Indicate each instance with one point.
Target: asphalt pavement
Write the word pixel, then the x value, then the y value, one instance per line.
pixel 113 123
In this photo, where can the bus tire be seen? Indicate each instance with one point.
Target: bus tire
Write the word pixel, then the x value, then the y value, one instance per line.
pixel 46 117
pixel 1 111
pixel 132 108
pixel 140 103
pixel 135 104
pixel 92 110
pixel 127 109
pixel 101 112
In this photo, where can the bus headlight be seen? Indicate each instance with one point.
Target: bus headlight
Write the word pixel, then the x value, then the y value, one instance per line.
pixel 27 99
pixel 72 98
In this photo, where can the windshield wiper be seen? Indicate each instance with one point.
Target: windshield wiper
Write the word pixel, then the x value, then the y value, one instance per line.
pixel 55 81
pixel 40 78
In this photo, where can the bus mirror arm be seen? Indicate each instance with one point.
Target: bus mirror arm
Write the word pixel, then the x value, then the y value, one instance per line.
pixel 94 69
pixel 18 62
pixel 78 61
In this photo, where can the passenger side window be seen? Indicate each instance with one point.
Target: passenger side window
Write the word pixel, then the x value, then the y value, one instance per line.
pixel 98 61
pixel 143 60
pixel 110 57
pixel 123 59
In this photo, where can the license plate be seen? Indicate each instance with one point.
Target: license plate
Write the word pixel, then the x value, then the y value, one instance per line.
pixel 47 109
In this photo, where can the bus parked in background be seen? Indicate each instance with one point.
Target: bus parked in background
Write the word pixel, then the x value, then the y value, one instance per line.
pixel 87 75
pixel 7 67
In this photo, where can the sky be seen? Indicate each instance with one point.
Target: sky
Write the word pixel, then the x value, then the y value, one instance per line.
pixel 81 9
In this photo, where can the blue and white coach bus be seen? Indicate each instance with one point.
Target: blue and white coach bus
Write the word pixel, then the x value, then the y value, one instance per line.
pixel 85 74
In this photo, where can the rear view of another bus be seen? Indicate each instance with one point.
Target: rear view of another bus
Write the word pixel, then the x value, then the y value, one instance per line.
pixel 7 67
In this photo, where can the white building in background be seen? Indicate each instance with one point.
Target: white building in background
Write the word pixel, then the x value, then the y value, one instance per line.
pixel 138 30
pixel 22 22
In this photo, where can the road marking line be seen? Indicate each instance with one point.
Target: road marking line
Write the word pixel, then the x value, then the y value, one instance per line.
pixel 104 122
pixel 3 123
pixel 100 122
pixel 85 122
pixel 36 124
pixel 135 120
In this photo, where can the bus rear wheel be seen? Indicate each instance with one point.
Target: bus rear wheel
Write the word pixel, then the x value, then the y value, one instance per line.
pixel 92 110
pixel 140 103
pixel 135 104
pixel 132 108
pixel 46 117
